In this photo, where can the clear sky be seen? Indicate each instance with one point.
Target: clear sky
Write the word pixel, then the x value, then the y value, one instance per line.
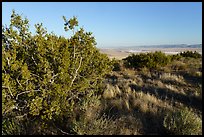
pixel 118 23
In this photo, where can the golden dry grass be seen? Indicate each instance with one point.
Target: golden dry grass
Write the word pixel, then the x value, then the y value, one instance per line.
pixel 151 94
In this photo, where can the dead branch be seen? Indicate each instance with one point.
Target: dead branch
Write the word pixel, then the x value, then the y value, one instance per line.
pixel 26 92
pixel 9 90
pixel 34 60
pixel 76 72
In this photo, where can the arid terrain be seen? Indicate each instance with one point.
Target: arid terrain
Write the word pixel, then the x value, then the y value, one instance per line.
pixel 123 53
pixel 52 85
pixel 140 100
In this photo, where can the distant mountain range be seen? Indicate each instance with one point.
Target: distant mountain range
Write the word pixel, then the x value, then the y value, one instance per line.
pixel 159 46
pixel 176 46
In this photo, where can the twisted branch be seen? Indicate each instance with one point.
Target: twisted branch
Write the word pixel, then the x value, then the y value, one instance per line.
pixel 76 72
pixel 25 93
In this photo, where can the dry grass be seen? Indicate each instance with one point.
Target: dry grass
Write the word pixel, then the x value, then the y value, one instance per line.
pixel 135 102
pixel 172 77
pixel 148 95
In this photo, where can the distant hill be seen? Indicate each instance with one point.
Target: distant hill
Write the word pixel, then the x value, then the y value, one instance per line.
pixel 178 46
pixel 157 46
pixel 122 52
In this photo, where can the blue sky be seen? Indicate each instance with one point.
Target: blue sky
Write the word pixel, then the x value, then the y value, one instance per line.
pixel 118 23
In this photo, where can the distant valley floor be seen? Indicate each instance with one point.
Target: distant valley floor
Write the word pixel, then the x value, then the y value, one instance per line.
pixel 123 53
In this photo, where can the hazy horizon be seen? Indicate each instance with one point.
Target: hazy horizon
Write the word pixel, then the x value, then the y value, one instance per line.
pixel 198 45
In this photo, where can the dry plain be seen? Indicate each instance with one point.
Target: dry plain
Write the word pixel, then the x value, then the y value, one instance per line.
pixel 123 53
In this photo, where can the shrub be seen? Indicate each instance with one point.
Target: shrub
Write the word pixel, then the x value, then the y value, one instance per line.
pixel 183 122
pixel 45 75
pixel 96 126
pixel 191 54
pixel 11 126
pixel 117 65
pixel 149 60
pixel 175 57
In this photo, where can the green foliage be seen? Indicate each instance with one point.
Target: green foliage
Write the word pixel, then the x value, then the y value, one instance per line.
pixel 156 59
pixel 13 126
pixel 117 65
pixel 149 60
pixel 47 76
pixel 191 54
pixel 183 122
pixel 175 57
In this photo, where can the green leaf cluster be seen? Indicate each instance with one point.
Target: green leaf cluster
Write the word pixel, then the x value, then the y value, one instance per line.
pixel 190 54
pixel 148 60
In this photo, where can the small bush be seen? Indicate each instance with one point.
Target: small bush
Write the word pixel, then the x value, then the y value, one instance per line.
pixel 12 126
pixel 175 57
pixel 183 122
pixel 191 54
pixel 117 66
pixel 96 126
pixel 149 60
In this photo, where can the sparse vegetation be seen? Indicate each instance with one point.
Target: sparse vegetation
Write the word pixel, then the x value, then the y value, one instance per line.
pixel 64 86
pixel 183 122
